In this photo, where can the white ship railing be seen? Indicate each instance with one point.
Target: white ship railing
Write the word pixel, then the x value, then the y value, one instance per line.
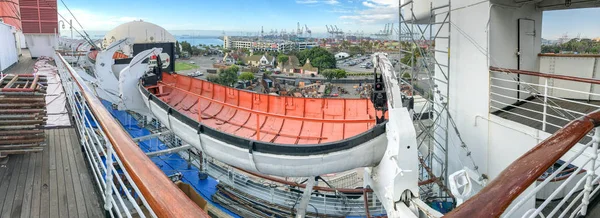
pixel 130 183
pixel 533 99
pixel 566 185
pixel 576 201
pixel 494 199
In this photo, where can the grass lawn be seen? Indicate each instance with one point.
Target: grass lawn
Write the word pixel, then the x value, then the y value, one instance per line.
pixel 179 66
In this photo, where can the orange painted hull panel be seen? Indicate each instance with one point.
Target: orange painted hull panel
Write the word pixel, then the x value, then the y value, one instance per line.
pixel 281 120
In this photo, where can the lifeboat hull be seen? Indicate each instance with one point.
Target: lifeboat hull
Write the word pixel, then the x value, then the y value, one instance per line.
pixel 363 150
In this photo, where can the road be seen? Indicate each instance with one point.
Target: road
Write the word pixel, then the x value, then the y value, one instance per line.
pixel 203 63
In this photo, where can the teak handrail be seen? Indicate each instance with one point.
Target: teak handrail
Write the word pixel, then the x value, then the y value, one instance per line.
pixel 546 75
pixel 494 198
pixel 163 196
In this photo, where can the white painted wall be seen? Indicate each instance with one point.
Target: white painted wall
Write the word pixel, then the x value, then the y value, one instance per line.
pixel 468 92
pixel 571 66
pixel 503 39
pixel 22 42
pixel 8 48
pixel 41 44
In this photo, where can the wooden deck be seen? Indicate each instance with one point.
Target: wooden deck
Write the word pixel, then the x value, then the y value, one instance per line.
pixel 24 66
pixel 535 112
pixel 52 183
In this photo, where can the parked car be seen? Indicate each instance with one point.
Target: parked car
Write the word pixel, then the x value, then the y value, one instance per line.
pixel 196 74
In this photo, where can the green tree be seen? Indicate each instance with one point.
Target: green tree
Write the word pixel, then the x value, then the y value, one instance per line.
pixel 228 77
pixel 344 45
pixel 354 50
pixel 408 57
pixel 319 57
pixel 331 74
pixel 281 59
pixel 213 78
pixel 246 76
pixel 196 50
pixel 186 46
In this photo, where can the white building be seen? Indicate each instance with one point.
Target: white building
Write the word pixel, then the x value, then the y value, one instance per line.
pixel 259 45
pixel 341 55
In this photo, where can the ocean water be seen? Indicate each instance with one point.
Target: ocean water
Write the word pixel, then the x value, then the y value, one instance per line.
pixel 200 40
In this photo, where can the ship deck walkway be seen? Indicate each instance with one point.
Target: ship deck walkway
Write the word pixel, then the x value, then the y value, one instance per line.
pixel 53 183
pixel 25 64
pixel 534 111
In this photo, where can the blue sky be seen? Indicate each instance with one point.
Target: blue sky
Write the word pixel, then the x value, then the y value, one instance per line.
pixel 572 22
pixel 369 16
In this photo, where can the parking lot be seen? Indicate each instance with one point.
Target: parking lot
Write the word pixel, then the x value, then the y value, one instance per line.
pixel 203 63
pixel 357 64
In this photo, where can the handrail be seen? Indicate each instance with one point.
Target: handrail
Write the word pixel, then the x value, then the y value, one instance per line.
pixel 546 75
pixel 569 55
pixel 492 200
pixel 163 196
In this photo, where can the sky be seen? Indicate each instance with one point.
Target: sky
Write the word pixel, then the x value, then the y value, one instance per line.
pixel 369 16
pixel 571 22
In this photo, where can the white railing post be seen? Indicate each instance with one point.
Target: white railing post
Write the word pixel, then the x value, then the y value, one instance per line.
pixel 545 104
pixel 587 190
pixel 109 180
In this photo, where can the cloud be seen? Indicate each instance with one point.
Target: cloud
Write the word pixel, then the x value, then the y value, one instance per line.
pixel 369 4
pixel 94 20
pixel 340 11
pixel 307 1
pixel 375 12
pixel 332 2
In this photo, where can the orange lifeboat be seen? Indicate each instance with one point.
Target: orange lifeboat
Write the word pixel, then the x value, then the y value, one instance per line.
pixel 324 132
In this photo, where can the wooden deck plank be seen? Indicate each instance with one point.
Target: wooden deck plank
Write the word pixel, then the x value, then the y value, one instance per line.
pixel 28 193
pixel 13 171
pixel 37 186
pixel 68 180
pixel 11 191
pixel 90 192
pixel 17 206
pixel 30 184
pixel 54 197
pixel 45 182
pixel 60 177
pixel 24 186
pixel 79 198
pixel 25 64
pixel 3 169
